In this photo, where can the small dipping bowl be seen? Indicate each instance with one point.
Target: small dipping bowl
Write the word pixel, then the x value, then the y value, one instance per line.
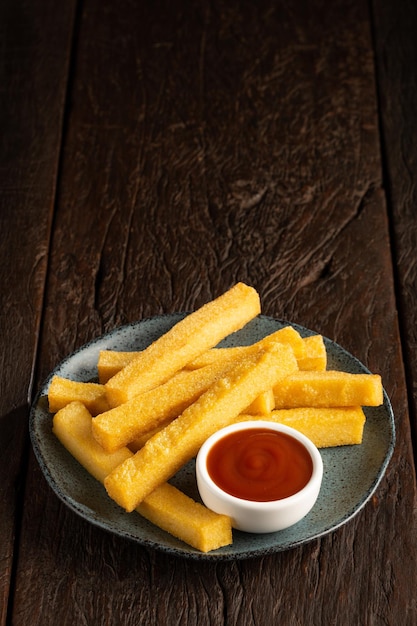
pixel 265 476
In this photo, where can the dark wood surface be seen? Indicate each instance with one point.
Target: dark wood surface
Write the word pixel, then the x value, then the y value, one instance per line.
pixel 152 155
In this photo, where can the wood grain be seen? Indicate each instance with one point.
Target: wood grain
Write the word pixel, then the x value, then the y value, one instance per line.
pixel 206 143
pixel 33 75
pixel 397 58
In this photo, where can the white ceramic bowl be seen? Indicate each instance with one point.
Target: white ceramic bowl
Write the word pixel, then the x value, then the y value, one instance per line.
pixel 264 516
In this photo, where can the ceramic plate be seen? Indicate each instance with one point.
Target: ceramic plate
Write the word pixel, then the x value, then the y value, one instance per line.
pixel 351 473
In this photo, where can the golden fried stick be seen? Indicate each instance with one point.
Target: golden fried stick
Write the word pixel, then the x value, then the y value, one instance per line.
pixel 143 413
pixel 260 408
pixel 72 426
pixel 326 427
pixel 133 419
pixel 196 333
pixel 173 446
pixel 110 362
pixel 166 507
pixel 192 522
pixel 315 357
pixel 327 389
pixel 263 404
pixel 62 391
pixel 287 335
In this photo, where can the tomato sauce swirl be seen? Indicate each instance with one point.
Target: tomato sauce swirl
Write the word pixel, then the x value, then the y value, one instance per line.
pixel 259 464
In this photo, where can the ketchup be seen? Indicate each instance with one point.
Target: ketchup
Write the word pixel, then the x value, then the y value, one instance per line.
pixel 259 464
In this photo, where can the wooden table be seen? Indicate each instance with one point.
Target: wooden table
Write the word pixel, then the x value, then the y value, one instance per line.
pixel 152 155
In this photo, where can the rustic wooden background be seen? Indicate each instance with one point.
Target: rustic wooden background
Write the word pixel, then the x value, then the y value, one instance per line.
pixel 151 155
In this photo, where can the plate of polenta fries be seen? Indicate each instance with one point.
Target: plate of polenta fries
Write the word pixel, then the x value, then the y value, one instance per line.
pixel 117 425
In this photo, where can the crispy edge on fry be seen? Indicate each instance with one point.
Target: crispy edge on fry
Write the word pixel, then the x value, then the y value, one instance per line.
pixel 164 453
pixel 328 389
pixel 263 404
pixel 167 507
pixel 145 412
pixel 139 442
pixel 315 357
pixel 181 516
pixel 112 361
pixel 72 426
pixel 194 334
pixel 62 391
pixel 287 335
pixel 326 427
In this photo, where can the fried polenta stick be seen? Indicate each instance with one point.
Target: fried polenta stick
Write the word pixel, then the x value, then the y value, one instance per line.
pixel 192 522
pixel 149 410
pixel 72 426
pixel 326 427
pixel 287 335
pixel 145 412
pixel 112 361
pixel 315 357
pixel 173 446
pixel 62 391
pixel 309 351
pixel 261 407
pixel 193 335
pixel 138 443
pixel 328 389
pixel 263 404
pixel 166 507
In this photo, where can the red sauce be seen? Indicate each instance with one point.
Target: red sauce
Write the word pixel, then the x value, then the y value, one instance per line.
pixel 259 464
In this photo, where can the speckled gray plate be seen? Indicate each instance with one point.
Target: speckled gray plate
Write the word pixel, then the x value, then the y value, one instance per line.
pixel 351 474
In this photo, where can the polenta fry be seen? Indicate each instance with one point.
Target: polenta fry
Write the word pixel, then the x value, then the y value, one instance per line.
pixel 287 335
pixel 112 361
pixel 62 391
pixel 192 522
pixel 309 351
pixel 315 357
pixel 167 507
pixel 179 441
pixel 328 389
pixel 120 426
pixel 149 410
pixel 326 427
pixel 193 335
pixel 263 404
pixel 72 426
